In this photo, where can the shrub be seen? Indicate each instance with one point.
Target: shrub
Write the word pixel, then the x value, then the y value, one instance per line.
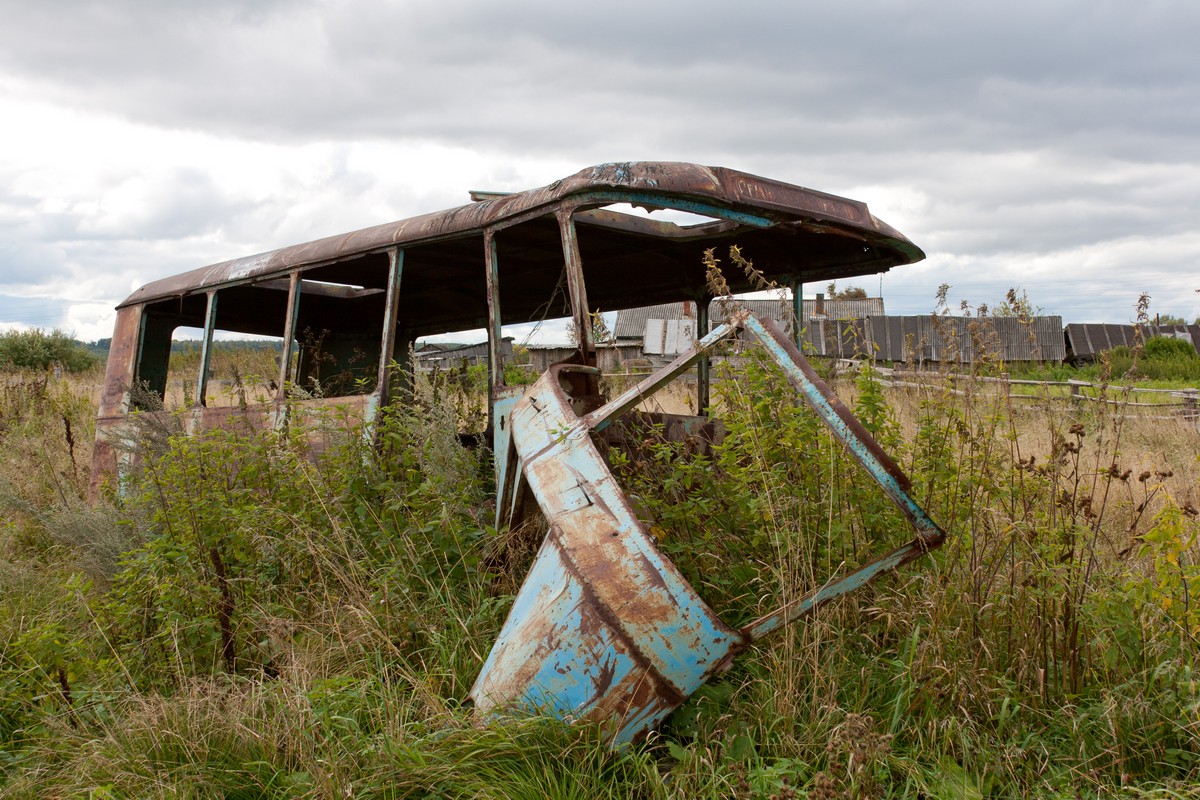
pixel 36 349
pixel 1162 358
pixel 251 537
pixel 1168 348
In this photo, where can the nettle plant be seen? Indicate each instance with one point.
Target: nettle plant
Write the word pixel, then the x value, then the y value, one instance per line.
pixel 1173 581
pixel 777 506
pixel 252 538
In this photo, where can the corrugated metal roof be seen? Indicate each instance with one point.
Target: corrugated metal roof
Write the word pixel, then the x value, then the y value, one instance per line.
pixel 856 328
pixel 1086 340
pixel 888 338
pixel 844 309
pixel 1189 333
pixel 958 339
pixel 631 323
pixel 609 357
pixel 436 351
pixel 768 308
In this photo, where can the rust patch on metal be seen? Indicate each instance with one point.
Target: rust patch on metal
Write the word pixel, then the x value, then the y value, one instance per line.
pixel 603 611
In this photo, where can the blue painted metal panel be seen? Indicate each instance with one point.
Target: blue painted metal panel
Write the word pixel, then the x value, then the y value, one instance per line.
pixel 504 460
pixel 566 672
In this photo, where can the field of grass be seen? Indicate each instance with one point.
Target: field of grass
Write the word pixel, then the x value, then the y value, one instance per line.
pixel 248 622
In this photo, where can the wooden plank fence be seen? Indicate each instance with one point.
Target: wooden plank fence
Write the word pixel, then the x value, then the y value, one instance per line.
pixel 1183 403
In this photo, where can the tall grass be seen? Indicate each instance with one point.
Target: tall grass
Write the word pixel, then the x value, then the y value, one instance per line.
pixel 1049 644
pixel 255 620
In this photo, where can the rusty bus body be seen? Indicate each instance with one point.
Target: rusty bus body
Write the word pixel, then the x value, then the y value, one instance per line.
pixel 604 627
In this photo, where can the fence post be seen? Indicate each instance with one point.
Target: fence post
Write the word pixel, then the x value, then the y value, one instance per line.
pixel 1076 390
pixel 1191 403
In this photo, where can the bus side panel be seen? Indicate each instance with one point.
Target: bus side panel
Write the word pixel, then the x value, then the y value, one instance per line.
pixel 114 397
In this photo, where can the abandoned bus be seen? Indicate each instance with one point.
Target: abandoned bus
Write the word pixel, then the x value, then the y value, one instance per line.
pixel 632 643
pixel 367 295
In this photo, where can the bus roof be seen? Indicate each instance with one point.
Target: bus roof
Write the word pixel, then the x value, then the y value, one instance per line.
pixel 735 200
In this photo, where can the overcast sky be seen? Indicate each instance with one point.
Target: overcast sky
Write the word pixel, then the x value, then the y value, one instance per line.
pixel 1049 146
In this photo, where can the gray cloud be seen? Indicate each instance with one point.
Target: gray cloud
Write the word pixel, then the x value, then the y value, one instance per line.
pixel 26 262
pixel 1027 130
pixel 944 74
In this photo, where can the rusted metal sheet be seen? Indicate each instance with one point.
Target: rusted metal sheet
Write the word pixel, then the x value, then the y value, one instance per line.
pixel 114 400
pixel 117 449
pixel 746 197
pixel 605 627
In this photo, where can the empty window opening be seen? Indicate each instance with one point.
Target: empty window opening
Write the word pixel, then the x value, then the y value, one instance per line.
pixel 451 376
pixel 681 219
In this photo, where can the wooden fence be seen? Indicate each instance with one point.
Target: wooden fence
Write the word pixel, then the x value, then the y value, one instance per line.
pixel 1176 403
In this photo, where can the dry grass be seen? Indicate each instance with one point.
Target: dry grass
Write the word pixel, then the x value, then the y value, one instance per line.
pixel 1141 441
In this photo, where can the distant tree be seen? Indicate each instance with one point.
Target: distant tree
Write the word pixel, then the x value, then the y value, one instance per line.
pixel 99 347
pixel 1016 304
pixel 849 293
pixel 1167 319
pixel 600 332
pixel 36 349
